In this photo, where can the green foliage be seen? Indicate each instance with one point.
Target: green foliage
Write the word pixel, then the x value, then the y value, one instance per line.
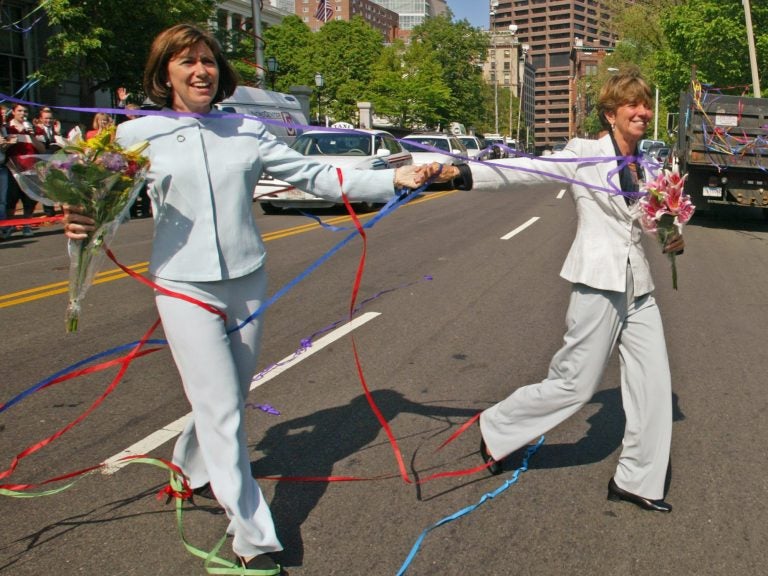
pixel 666 38
pixel 435 80
pixel 460 49
pixel 345 53
pixel 711 35
pixel 106 42
pixel 408 86
pixel 292 44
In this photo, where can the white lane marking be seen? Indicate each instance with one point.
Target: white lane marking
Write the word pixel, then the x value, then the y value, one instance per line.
pixel 170 431
pixel 519 228
pixel 561 194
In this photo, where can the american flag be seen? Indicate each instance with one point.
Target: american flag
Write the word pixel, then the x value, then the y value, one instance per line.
pixel 324 10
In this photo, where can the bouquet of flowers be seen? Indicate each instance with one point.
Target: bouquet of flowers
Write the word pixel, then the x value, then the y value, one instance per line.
pixel 665 208
pixel 103 179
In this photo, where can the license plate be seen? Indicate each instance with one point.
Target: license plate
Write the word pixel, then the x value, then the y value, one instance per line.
pixel 294 194
pixel 713 191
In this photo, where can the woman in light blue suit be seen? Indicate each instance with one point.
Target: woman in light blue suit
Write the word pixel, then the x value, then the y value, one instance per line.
pixel 611 303
pixel 204 169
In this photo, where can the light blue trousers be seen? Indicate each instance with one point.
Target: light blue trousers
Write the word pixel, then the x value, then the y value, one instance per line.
pixel 216 368
pixel 596 321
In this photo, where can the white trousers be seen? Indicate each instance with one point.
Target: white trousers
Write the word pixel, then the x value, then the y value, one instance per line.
pixel 596 320
pixel 216 369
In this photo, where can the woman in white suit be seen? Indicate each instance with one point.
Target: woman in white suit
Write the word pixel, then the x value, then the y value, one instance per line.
pixel 206 246
pixel 611 303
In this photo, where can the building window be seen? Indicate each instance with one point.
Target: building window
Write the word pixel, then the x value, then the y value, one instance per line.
pixel 559 59
pixel 13 61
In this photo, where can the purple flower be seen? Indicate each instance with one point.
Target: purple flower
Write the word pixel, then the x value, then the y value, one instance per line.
pixel 63 165
pixel 113 161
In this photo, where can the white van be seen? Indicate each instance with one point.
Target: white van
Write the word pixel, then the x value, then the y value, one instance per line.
pixel 284 109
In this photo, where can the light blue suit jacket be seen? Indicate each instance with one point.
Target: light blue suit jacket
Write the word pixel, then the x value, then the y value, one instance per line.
pixel 608 233
pixel 201 184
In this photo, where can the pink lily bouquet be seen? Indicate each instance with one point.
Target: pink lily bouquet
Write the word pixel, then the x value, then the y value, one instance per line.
pixel 665 208
pixel 102 178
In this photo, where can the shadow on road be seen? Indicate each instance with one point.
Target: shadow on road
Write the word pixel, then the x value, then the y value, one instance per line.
pixel 732 218
pixel 313 444
pixel 601 440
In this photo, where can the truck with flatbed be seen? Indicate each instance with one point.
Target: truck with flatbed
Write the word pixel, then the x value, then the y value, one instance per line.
pixel 723 147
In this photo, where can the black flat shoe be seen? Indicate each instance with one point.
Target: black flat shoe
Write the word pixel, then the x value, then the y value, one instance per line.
pixel 204 491
pixel 494 467
pixel 617 494
pixel 262 565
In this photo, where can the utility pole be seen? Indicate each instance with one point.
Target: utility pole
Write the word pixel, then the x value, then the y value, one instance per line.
pixel 257 43
pixel 752 53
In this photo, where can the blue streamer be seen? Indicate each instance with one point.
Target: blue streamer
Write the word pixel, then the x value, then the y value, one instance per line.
pixel 401 198
pixel 124 347
pixel 388 208
pixel 530 451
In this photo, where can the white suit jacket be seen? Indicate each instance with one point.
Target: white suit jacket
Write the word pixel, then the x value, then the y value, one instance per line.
pixel 201 184
pixel 608 233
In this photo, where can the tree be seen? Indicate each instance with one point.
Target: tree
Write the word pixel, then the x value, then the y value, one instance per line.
pixel 408 86
pixel 105 43
pixel 666 38
pixel 460 49
pixel 344 53
pixel 291 43
pixel 711 35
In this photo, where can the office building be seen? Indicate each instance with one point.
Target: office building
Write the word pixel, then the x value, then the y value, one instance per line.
pixel 314 14
pixel 508 67
pixel 551 28
pixel 413 12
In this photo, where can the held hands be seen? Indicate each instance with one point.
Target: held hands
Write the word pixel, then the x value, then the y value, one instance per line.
pixel 414 176
pixel 77 226
pixel 674 245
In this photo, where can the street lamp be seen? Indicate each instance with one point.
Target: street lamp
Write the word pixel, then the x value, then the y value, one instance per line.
pixel 272 66
pixel 258 43
pixel 521 80
pixel 319 83
pixel 495 68
pixel 513 42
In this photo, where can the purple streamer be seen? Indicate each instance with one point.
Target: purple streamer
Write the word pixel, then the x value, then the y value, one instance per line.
pixel 612 174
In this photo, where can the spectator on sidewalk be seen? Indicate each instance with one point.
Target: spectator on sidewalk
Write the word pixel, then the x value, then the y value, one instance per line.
pixel 22 154
pixel 101 122
pixel 5 142
pixel 48 131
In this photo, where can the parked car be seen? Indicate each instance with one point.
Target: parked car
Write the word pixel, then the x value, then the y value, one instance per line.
pixel 477 149
pixel 498 146
pixel 433 147
pixel 662 156
pixel 647 147
pixel 358 148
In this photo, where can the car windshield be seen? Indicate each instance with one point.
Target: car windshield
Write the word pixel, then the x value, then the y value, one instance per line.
pixel 333 144
pixel 423 144
pixel 470 143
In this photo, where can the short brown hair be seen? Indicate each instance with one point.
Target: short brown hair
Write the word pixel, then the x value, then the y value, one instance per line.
pixel 171 42
pixel 624 87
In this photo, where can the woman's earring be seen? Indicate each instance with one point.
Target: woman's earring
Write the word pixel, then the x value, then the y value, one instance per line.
pixel 168 84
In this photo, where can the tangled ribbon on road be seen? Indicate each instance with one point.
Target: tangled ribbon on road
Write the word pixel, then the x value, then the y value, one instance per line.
pixel 180 491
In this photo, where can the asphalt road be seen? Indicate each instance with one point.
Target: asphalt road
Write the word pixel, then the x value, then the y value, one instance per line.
pixel 453 318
